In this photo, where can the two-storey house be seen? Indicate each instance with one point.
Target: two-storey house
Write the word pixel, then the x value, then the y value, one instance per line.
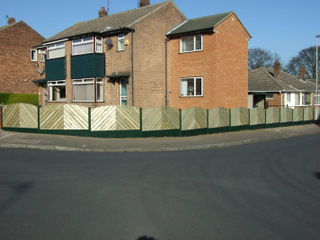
pixel 16 70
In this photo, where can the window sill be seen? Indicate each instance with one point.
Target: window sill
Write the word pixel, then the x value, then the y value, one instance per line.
pixel 190 96
pixel 191 51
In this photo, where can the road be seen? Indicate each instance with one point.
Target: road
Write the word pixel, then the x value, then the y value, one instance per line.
pixel 266 190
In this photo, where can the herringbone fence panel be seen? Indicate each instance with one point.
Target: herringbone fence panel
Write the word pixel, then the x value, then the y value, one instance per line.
pixel 20 115
pixel 219 117
pixel 317 113
pixel 75 117
pixel 52 117
pixel 103 118
pixel 160 118
pixel 286 115
pixel 308 114
pixel 128 118
pixel 257 116
pixel 194 118
pixel 297 114
pixel 239 116
pixel 273 115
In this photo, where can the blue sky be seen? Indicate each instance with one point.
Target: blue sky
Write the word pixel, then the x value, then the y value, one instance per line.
pixel 280 26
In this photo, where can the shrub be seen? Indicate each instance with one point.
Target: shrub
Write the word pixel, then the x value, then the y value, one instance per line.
pixel 9 98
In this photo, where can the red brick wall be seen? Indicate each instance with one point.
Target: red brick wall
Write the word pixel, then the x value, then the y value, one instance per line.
pixel 223 64
pixel 16 42
pixel 275 102
pixel 149 55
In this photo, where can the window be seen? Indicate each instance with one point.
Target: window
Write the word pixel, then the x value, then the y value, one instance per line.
pixel 317 99
pixel 99 90
pixel 191 43
pixel 121 42
pixel 57 90
pixel 33 55
pixel 43 55
pixel 84 90
pixel 98 44
pixel 82 46
pixel 190 87
pixel 269 96
pixel 308 99
pixel 56 50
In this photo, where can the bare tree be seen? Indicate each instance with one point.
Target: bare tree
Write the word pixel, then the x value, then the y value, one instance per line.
pixel 305 58
pixel 259 57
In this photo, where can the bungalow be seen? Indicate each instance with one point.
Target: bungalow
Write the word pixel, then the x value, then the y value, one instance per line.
pixel 271 87
pixel 135 58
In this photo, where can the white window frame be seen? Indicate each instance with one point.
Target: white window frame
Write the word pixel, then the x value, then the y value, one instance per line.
pixel 194 43
pixel 52 84
pixel 194 84
pixel 121 42
pixel 99 81
pixel 43 55
pixel 56 47
pixel 95 82
pixel 33 55
pixel 98 42
pixel 317 99
pixel 82 41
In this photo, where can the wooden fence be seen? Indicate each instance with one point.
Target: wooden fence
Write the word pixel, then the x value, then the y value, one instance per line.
pixel 126 121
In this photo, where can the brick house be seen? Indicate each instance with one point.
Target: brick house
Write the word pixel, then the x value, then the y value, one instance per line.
pixel 272 87
pixel 133 58
pixel 208 62
pixel 16 70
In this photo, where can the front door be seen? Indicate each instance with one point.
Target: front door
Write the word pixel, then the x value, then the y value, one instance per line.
pixel 123 92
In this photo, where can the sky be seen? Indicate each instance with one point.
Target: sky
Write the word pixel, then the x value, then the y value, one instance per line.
pixel 282 27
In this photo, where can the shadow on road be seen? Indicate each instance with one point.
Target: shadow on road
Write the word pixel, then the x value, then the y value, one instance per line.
pixel 146 238
pixel 317 175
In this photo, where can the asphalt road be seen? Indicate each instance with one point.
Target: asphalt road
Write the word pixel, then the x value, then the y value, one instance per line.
pixel 266 190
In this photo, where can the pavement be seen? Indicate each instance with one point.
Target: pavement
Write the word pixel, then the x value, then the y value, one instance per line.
pixel 89 144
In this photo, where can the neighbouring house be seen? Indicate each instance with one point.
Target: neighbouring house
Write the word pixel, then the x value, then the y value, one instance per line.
pixel 135 58
pixel 208 62
pixel 16 70
pixel 272 87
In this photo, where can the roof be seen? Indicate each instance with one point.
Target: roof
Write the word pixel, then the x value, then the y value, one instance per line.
pixel 108 23
pixel 263 80
pixel 8 26
pixel 202 23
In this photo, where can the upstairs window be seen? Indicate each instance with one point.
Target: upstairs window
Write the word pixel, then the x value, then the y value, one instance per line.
pixel 121 42
pixel 82 46
pixel 98 44
pixel 191 43
pixel 56 50
pixel 33 55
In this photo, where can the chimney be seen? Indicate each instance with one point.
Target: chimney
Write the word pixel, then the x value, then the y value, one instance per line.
pixel 277 70
pixel 11 20
pixel 302 73
pixel 144 3
pixel 103 12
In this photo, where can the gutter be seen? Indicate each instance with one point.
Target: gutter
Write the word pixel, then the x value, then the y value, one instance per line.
pixel 166 71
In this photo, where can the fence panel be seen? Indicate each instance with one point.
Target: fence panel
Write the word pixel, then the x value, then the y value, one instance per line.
pixel 286 115
pixel 273 115
pixel 308 114
pixel 297 114
pixel 75 117
pixel 257 116
pixel 20 115
pixel 194 118
pixel 219 117
pixel 160 118
pixel 317 113
pixel 239 116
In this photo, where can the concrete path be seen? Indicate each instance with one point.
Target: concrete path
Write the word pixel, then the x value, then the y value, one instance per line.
pixel 71 143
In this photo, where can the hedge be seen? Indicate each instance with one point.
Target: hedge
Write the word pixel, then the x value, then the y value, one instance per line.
pixel 9 98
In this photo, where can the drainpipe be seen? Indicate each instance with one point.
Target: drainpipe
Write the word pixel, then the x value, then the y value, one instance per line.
pixel 132 66
pixel 166 71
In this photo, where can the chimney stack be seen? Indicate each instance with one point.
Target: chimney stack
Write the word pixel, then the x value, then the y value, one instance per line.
pixel 302 73
pixel 103 12
pixel 144 3
pixel 11 20
pixel 277 70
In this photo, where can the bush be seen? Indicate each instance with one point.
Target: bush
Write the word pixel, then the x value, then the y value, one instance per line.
pixel 9 98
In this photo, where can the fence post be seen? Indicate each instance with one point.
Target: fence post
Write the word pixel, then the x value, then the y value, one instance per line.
pixel 1 117
pixel 280 111
pixel 89 121
pixel 180 121
pixel 140 113
pixel 265 118
pixel 39 119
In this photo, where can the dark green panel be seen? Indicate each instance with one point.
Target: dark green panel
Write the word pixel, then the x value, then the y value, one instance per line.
pixel 56 69
pixel 87 65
